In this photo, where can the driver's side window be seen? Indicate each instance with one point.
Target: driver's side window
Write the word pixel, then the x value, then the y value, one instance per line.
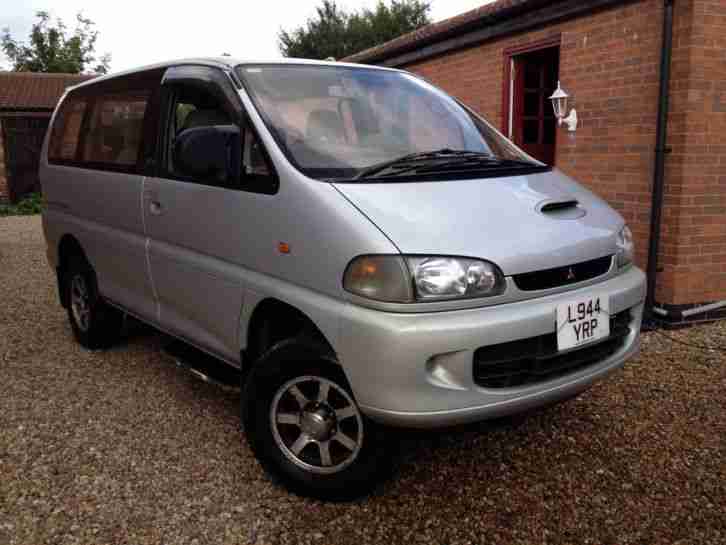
pixel 253 157
pixel 193 108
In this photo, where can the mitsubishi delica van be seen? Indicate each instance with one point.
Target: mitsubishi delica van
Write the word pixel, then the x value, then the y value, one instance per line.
pixel 363 249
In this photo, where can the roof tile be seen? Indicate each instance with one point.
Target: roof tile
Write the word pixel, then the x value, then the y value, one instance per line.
pixel 439 30
pixel 34 90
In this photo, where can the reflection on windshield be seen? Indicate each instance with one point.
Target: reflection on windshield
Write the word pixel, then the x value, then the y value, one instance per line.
pixel 337 121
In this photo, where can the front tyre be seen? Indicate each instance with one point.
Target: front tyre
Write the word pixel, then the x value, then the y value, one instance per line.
pixel 304 426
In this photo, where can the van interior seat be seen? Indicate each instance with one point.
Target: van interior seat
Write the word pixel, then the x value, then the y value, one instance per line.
pixel 325 125
pixel 205 118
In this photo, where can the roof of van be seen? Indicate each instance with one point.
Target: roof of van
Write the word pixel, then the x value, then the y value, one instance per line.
pixel 223 62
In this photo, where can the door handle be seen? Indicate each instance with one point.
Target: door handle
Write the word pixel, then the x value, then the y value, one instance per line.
pixel 155 208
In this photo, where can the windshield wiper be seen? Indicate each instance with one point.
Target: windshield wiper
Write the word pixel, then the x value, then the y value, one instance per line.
pixel 463 163
pixel 415 161
pixel 444 160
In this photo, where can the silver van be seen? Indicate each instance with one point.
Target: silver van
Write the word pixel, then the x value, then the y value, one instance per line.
pixel 363 249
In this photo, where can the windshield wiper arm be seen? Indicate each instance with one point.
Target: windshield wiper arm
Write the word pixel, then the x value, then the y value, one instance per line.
pixel 475 162
pixel 414 161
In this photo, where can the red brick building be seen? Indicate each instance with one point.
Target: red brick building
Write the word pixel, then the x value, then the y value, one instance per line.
pixel 27 100
pixel 505 58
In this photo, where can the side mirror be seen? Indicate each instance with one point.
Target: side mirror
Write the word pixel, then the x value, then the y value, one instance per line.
pixel 209 152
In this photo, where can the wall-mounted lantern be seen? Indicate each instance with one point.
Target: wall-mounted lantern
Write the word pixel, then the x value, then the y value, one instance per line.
pixel 559 104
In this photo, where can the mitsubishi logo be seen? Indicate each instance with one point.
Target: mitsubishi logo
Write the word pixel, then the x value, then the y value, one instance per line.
pixel 570 274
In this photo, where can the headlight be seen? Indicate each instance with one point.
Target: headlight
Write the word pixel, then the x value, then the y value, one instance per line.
pixel 422 278
pixel 439 278
pixel 625 247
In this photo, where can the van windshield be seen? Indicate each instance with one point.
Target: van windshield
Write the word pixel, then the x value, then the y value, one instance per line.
pixel 347 123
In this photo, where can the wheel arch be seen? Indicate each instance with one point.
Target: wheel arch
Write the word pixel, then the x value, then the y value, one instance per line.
pixel 273 320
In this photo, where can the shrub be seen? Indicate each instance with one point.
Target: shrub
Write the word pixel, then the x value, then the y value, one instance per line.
pixel 32 204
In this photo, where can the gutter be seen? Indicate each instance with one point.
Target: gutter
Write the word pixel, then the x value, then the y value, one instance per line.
pixel 518 18
pixel 680 315
pixel 661 150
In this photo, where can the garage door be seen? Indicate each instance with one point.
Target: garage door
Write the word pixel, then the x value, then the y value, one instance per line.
pixel 23 138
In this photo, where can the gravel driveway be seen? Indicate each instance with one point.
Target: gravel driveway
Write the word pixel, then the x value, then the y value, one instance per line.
pixel 124 447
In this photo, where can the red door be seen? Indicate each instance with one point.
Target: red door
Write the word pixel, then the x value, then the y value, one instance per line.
pixel 534 124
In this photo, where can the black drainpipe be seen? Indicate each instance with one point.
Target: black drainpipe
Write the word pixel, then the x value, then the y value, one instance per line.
pixel 660 153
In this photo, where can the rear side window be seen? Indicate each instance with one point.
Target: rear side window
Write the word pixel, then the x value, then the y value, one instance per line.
pixel 115 129
pixel 66 130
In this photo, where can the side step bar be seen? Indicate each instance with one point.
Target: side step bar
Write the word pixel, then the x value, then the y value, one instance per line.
pixel 203 366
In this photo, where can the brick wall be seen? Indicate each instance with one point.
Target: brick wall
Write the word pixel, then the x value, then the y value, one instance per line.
pixel 694 243
pixel 4 195
pixel 609 64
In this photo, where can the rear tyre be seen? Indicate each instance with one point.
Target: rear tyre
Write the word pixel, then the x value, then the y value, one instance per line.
pixel 95 324
pixel 304 426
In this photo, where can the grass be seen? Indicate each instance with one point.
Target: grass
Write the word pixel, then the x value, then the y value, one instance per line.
pixel 32 204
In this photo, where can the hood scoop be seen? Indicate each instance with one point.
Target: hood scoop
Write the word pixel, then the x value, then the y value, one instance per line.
pixel 561 209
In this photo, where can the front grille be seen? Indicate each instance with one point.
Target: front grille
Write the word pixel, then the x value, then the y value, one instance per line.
pixel 563 276
pixel 536 359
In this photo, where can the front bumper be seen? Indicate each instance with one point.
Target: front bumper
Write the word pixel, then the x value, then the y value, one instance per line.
pixel 415 370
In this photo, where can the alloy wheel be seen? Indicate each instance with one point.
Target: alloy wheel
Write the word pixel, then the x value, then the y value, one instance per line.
pixel 80 302
pixel 316 424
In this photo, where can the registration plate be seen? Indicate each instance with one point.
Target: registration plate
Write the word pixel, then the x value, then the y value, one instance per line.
pixel 583 321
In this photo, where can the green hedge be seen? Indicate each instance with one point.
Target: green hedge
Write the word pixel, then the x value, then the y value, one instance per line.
pixel 32 204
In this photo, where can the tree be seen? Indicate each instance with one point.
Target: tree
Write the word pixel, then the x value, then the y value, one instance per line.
pixel 333 32
pixel 52 50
